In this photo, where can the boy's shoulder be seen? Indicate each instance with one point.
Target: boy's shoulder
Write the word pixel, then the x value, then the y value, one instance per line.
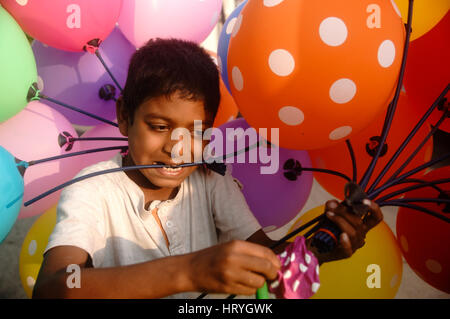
pixel 211 179
pixel 112 163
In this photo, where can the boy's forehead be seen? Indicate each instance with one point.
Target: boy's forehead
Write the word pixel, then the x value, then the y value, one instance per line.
pixel 174 109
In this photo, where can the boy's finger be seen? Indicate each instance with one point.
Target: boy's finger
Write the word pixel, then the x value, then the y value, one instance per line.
pixel 258 265
pixel 374 216
pixel 255 250
pixel 352 218
pixel 344 226
pixel 331 205
pixel 345 246
pixel 251 280
pixel 240 289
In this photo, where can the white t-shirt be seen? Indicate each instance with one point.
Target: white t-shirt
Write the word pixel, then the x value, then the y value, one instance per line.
pixel 105 216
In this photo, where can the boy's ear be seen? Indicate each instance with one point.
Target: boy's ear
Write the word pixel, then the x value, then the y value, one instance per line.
pixel 122 117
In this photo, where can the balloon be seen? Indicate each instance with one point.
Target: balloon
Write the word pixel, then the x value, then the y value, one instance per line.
pixel 11 190
pixel 272 197
pixel 33 134
pixel 352 278
pixel 33 246
pixel 101 130
pixel 141 20
pixel 365 145
pixel 77 78
pixel 224 41
pixel 310 66
pixel 426 14
pixel 228 109
pixel 17 65
pixel 65 25
pixel 424 239
pixel 427 68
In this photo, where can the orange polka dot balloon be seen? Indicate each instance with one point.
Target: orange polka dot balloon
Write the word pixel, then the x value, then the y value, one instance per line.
pixel 318 70
pixel 424 239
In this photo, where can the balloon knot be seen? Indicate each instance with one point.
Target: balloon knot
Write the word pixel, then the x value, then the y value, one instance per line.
pixel 124 151
pixel 293 169
pixel 92 46
pixel 107 92
pixel 65 138
pixel 23 164
pixel 34 94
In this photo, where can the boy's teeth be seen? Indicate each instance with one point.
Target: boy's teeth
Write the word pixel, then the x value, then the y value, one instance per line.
pixel 169 169
pixel 172 169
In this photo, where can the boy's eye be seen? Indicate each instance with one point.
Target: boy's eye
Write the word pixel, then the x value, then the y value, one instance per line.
pixel 159 128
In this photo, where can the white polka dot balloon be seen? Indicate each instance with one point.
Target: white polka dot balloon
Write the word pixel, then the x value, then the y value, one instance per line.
pixel 308 67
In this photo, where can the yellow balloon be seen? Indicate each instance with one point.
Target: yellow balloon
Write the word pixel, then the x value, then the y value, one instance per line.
pixel 31 254
pixel 426 14
pixel 373 272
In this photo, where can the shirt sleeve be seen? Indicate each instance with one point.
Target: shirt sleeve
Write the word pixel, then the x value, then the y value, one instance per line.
pixel 80 220
pixel 232 216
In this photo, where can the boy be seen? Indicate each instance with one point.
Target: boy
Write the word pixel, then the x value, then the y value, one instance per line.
pixel 153 233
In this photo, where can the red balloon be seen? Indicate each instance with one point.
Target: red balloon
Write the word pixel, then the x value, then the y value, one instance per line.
pixel 424 239
pixel 65 25
pixel 428 68
pixel 365 145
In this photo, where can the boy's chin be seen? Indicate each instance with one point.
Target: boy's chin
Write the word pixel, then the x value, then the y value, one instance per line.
pixel 162 182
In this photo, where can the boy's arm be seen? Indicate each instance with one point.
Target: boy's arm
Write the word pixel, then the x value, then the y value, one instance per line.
pixel 153 279
pixel 236 267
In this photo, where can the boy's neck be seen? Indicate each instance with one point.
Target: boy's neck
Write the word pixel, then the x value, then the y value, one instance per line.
pixel 151 192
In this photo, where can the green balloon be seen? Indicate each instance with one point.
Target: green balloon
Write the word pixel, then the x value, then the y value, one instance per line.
pixel 17 67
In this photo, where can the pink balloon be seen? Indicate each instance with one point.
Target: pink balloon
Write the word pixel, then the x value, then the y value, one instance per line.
pixel 32 135
pixel 66 25
pixel 141 20
pixel 101 130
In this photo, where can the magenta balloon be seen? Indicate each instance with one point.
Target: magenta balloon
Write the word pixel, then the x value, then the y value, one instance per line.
pixel 66 25
pixel 32 135
pixel 76 78
pixel 273 199
pixel 101 130
pixel 141 20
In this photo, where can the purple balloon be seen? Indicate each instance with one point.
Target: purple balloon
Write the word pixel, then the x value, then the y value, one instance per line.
pixel 76 78
pixel 273 198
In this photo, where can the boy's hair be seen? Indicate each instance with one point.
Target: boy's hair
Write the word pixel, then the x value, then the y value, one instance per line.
pixel 165 66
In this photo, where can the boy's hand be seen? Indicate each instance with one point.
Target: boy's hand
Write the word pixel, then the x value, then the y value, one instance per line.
pixel 237 267
pixel 354 229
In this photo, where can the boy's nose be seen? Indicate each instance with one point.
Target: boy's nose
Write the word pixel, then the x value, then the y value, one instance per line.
pixel 174 148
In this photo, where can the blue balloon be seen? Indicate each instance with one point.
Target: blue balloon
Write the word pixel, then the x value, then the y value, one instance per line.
pixel 11 192
pixel 224 41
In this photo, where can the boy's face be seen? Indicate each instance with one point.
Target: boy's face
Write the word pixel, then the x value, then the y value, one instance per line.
pixel 149 137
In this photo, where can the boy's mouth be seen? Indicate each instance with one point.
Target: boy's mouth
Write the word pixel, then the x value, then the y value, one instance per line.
pixel 168 171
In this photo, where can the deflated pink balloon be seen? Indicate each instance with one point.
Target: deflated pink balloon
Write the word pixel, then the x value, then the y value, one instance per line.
pixel 141 20
pixel 66 25
pixel 32 135
pixel 100 131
